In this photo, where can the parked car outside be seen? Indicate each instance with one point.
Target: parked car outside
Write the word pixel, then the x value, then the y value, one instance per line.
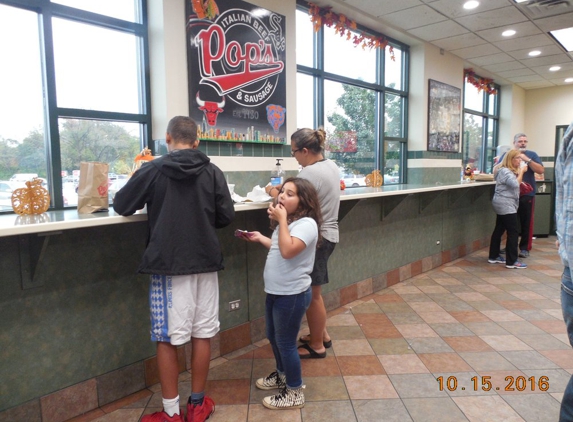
pixel 5 196
pixel 114 187
pixel 391 178
pixel 354 180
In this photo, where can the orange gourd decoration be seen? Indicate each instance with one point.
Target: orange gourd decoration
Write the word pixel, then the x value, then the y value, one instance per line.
pixel 33 199
pixel 143 157
pixel 374 179
pixel 205 8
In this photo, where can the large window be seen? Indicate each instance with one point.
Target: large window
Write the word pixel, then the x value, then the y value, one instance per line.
pixel 358 95
pixel 481 121
pixel 73 89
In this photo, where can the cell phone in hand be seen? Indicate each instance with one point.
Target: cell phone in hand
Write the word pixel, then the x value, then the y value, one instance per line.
pixel 242 234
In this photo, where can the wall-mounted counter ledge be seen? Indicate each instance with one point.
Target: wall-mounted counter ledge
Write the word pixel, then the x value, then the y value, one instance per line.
pixel 53 221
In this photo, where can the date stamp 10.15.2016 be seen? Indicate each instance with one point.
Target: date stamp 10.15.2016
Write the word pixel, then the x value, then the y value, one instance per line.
pixel 485 383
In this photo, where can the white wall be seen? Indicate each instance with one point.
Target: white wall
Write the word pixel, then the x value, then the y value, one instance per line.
pixel 512 113
pixel 545 109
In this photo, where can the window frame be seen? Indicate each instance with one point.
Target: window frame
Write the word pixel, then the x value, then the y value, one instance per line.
pixel 487 117
pixel 47 10
pixel 319 76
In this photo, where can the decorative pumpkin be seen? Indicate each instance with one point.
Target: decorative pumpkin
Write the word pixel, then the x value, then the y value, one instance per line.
pixel 33 199
pixel 374 179
pixel 143 157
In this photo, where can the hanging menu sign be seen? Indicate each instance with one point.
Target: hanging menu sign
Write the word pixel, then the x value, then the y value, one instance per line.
pixel 236 67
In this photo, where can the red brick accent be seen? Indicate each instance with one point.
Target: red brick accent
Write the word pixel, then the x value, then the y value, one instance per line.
pixel 235 338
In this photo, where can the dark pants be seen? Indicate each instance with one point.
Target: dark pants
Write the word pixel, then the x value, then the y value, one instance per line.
pixel 504 223
pixel 524 211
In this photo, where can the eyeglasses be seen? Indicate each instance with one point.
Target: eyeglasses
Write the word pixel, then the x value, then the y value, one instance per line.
pixel 292 153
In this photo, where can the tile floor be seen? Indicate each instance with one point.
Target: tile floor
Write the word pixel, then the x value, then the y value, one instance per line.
pixel 418 351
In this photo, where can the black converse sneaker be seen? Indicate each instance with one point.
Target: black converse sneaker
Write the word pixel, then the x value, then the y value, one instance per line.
pixel 288 398
pixel 274 380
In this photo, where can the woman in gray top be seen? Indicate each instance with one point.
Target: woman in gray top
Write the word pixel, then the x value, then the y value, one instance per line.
pixel 508 177
pixel 307 146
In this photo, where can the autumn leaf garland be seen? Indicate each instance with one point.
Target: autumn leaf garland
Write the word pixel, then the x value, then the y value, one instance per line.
pixel 482 84
pixel 344 26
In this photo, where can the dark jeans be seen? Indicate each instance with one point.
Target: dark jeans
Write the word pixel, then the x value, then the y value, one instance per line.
pixel 504 223
pixel 566 413
pixel 283 316
pixel 524 211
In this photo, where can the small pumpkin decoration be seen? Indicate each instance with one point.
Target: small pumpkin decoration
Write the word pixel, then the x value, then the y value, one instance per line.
pixel 33 199
pixel 374 179
pixel 143 157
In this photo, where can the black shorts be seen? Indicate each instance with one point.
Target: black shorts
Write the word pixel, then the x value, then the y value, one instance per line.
pixel 319 274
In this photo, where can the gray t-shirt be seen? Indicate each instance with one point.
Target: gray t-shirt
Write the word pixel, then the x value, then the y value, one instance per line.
pixel 325 176
pixel 291 276
pixel 506 197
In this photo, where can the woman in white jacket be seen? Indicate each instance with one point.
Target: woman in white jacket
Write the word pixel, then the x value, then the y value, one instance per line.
pixel 508 177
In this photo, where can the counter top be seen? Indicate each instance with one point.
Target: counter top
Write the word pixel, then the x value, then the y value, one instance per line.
pixel 55 221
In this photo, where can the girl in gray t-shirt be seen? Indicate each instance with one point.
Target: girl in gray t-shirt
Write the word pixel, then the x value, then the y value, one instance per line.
pixel 296 220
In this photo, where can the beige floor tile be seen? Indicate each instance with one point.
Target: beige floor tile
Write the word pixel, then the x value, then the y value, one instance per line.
pixel 370 387
pixel 487 408
pixel 403 364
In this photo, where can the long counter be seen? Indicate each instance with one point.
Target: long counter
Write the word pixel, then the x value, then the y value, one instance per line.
pixel 72 298
pixel 55 221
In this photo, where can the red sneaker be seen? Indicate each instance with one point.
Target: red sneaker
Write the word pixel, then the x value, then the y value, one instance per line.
pixel 162 417
pixel 200 413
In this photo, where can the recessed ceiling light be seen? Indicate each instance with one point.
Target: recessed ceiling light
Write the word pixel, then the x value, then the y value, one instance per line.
pixel 520 1
pixel 554 68
pixel 569 80
pixel 508 33
pixel 534 53
pixel 472 4
pixel 564 37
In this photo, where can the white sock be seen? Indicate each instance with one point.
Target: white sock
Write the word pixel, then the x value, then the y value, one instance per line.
pixel 171 406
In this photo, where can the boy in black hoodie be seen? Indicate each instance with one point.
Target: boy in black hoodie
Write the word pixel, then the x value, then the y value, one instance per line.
pixel 187 198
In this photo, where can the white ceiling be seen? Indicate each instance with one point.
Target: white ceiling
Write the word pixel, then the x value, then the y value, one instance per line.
pixel 475 35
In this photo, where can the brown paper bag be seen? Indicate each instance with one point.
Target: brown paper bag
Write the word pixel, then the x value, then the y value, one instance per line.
pixel 92 187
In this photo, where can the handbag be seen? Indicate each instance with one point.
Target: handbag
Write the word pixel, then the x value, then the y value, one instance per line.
pixel 525 188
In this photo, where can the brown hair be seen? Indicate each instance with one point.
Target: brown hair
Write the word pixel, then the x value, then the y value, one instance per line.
pixel 308 203
pixel 508 160
pixel 183 130
pixel 311 139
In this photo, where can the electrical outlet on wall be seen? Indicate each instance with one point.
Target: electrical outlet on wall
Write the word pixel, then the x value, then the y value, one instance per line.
pixel 234 305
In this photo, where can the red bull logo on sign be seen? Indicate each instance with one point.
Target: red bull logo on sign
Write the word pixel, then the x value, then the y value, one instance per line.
pixel 211 109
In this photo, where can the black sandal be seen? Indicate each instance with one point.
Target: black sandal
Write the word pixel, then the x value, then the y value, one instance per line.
pixel 326 344
pixel 313 354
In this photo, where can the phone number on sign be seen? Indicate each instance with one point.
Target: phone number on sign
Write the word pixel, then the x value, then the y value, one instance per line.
pixel 484 383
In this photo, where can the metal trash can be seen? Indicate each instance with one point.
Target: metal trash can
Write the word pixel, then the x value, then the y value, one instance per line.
pixel 543 214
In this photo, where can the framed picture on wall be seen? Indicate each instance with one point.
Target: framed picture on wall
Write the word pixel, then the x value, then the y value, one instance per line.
pixel 236 57
pixel 444 117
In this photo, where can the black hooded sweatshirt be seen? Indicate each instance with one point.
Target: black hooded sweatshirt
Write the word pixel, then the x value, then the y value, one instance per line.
pixel 187 198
